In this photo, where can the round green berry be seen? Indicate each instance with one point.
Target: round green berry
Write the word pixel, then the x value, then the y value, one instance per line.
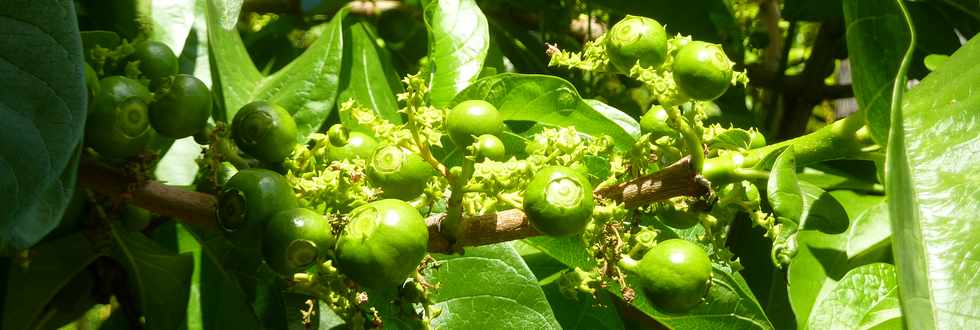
pixel 491 147
pixel 636 38
pixel 182 107
pixel 247 201
pixel 358 145
pixel 156 60
pixel 675 273
pixel 118 124
pixel 294 239
pixel 400 173
pixel 702 71
pixel 265 131
pixel 383 243
pixel 473 118
pixel 558 201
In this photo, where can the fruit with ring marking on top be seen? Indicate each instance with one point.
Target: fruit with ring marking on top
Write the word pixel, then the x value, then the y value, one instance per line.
pixel 558 201
pixel 383 243
pixel 656 122
pixel 118 124
pixel 265 131
pixel 399 172
pixel 702 71
pixel 491 147
pixel 156 60
pixel 295 239
pixel 182 107
pixel 675 273
pixel 636 38
pixel 247 201
pixel 473 118
pixel 358 145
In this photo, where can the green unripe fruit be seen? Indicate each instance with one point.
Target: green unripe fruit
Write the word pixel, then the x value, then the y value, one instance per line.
pixel 675 273
pixel 247 201
pixel 135 218
pixel 680 219
pixel 636 38
pixel 473 118
pixel 656 122
pixel 182 107
pixel 338 135
pixel 359 145
pixel 265 131
pixel 295 239
pixel 702 71
pixel 157 60
pixel 491 147
pixel 558 201
pixel 383 243
pixel 399 173
pixel 118 124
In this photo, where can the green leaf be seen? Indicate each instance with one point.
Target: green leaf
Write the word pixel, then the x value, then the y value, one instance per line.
pixel 51 266
pixel 876 35
pixel 178 166
pixel 870 233
pixel 161 279
pixel 783 190
pixel 732 139
pixel 547 100
pixel 171 21
pixel 933 194
pixel 225 299
pixel 489 287
pixel 584 312
pixel 855 298
pixel 368 77
pixel 306 87
pixel 458 43
pixel 627 123
pixel 42 108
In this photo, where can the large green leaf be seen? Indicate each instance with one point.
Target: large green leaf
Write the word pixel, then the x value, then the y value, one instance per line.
pixel 933 194
pixel 42 108
pixel 52 265
pixel 306 87
pixel 458 43
pixel 161 279
pixel 853 302
pixel 550 101
pixel 225 301
pixel 489 287
pixel 367 76
pixel 876 36
pixel 583 312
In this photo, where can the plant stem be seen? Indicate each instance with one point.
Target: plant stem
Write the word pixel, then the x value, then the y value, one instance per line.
pixel 835 141
pixel 424 151
pixel 691 138
pixel 454 207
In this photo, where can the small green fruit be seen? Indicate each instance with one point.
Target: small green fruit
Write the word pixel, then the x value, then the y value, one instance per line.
pixel 157 60
pixel 491 147
pixel 473 118
pixel 675 273
pixel 558 201
pixel 265 131
pixel 247 201
pixel 182 107
pixel 358 145
pixel 399 173
pixel 636 38
pixel 118 124
pixel 702 71
pixel 656 122
pixel 383 243
pixel 294 239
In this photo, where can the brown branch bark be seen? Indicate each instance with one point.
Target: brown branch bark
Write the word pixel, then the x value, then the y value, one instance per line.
pixel 199 209
pixel 191 207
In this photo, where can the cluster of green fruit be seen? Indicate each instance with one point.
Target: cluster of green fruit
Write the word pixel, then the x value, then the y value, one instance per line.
pixel 381 242
pixel 126 113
